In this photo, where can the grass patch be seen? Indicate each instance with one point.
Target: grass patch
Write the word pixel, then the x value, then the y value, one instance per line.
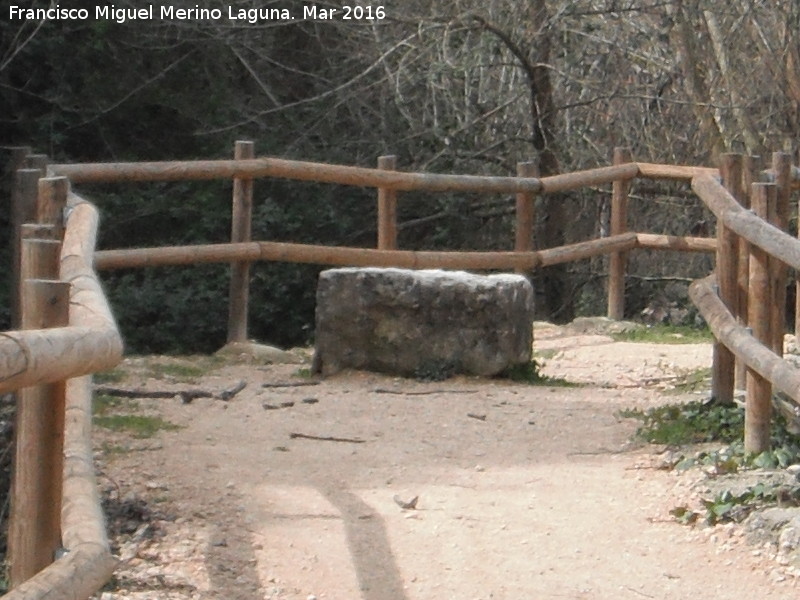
pixel 304 373
pixel 188 371
pixel 531 373
pixel 692 381
pixel 546 354
pixel 665 334
pixel 112 376
pixel 102 404
pixel 105 411
pixel 110 450
pixel 139 426
pixel 690 423
pixel 180 371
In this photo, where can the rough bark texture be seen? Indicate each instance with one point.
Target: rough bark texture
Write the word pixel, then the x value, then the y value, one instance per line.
pixel 422 323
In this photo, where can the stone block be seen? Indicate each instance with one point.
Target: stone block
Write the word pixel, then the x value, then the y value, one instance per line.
pixel 427 324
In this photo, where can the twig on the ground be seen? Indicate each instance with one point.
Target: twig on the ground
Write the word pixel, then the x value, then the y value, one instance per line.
pixel 326 438
pixel 186 396
pixel 423 393
pixel 289 384
pixel 638 592
pixel 230 393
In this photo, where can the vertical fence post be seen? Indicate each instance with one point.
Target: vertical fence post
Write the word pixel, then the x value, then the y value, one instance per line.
pixel 724 365
pixel 35 518
pixel 38 162
pixel 525 210
pixel 387 208
pixel 751 167
pixel 23 210
pixel 241 231
pixel 617 262
pixel 17 161
pixel 51 201
pixel 782 167
pixel 758 408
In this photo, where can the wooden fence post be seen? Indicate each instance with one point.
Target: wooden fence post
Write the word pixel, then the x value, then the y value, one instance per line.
pixel 525 211
pixel 617 263
pixel 16 162
pixel 23 210
pixel 38 162
pixel 387 208
pixel 51 201
pixel 724 364
pixel 35 518
pixel 751 167
pixel 782 167
pixel 241 231
pixel 758 407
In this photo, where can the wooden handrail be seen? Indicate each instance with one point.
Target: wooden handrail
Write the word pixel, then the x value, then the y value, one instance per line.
pixel 740 340
pixel 769 238
pixel 90 343
pixel 341 174
pixel 291 169
pixel 355 257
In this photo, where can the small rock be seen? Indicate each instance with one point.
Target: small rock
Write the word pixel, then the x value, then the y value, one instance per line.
pixel 789 539
pixel 410 504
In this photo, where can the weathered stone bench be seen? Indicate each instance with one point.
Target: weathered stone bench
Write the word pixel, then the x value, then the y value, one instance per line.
pixel 427 324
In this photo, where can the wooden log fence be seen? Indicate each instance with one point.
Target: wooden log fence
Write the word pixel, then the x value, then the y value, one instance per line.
pixel 768 246
pixel 727 256
pixel 241 231
pixel 619 225
pixel 70 331
pixel 56 350
pixel 387 208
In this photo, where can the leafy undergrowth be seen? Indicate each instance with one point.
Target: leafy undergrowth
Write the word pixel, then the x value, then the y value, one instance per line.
pixel 698 422
pixel 690 423
pixel 665 334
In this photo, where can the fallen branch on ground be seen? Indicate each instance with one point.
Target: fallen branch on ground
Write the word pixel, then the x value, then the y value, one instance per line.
pixel 186 396
pixel 425 393
pixel 289 384
pixel 326 438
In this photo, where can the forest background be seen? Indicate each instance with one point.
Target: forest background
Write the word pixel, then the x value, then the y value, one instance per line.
pixel 461 86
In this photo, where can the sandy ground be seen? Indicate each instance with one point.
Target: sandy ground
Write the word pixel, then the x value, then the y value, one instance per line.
pixel 521 491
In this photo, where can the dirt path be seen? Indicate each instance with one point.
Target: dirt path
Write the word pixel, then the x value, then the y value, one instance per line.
pixel 523 491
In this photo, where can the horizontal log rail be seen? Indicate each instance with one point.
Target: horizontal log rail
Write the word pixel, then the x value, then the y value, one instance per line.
pixel 291 169
pixel 652 241
pixel 769 238
pixel 357 257
pixel 90 343
pixel 340 174
pixel 740 340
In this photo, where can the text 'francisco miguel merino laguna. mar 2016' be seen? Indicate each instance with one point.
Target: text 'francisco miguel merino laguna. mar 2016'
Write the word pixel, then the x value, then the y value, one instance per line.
pixel 109 12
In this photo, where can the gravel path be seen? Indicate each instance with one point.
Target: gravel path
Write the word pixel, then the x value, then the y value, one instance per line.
pixel 521 491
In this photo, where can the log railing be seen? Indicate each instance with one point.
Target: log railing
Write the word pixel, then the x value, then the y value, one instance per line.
pixel 749 323
pixel 90 342
pixel 55 506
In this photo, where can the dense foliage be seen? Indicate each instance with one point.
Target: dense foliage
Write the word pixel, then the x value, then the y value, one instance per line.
pixel 464 86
